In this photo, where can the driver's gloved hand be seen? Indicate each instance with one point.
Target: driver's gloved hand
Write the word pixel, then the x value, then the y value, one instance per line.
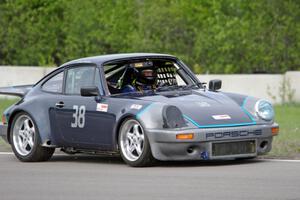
pixel 128 89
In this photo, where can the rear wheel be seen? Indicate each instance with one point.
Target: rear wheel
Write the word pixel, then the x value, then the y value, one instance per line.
pixel 134 144
pixel 25 140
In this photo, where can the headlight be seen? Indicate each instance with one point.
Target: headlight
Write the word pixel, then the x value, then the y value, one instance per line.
pixel 264 110
pixel 172 117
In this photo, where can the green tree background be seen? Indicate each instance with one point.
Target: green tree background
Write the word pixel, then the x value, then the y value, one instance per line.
pixel 211 36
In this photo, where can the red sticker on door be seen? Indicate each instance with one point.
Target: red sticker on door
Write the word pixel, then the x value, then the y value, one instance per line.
pixel 102 107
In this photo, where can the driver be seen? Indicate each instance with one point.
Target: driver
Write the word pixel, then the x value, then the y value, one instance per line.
pixel 143 78
pixel 146 79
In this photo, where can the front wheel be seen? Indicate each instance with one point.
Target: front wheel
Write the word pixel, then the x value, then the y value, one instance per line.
pixel 25 140
pixel 134 144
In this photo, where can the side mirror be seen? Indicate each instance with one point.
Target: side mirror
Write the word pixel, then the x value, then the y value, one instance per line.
pixel 215 85
pixel 91 91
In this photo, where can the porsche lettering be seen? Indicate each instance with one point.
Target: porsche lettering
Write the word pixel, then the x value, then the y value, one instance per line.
pixel 242 133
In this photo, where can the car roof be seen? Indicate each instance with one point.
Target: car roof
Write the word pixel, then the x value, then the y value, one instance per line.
pixel 110 57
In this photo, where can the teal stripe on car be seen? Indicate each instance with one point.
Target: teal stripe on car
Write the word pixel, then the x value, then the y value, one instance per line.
pixel 226 125
pixel 245 110
pixel 217 125
pixel 143 110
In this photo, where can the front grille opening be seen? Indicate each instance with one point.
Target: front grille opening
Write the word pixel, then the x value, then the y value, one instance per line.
pixel 233 148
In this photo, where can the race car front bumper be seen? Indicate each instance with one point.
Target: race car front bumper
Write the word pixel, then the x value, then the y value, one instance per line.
pixel 3 131
pixel 212 143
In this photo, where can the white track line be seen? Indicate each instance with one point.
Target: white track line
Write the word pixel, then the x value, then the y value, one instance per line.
pixel 6 153
pixel 279 160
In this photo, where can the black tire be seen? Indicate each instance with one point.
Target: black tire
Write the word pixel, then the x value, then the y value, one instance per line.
pixel 145 159
pixel 37 153
pixel 247 158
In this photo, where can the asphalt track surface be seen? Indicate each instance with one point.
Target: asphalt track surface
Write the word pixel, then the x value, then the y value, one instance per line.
pixel 91 177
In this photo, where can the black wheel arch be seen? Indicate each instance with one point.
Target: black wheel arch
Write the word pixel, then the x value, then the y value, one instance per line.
pixel 10 121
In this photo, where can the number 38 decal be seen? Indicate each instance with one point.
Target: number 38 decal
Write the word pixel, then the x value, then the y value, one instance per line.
pixel 78 116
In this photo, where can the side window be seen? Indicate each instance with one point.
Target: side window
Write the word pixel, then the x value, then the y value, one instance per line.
pixel 79 77
pixel 54 84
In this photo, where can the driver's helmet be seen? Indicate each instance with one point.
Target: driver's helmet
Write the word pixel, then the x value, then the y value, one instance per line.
pixel 147 76
pixel 145 73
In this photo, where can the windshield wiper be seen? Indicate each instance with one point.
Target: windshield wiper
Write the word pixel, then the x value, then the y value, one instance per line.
pixel 193 86
pixel 181 87
pixel 169 87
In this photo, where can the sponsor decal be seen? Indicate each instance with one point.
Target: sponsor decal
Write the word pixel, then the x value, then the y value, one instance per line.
pixel 230 134
pixel 102 107
pixel 136 106
pixel 221 117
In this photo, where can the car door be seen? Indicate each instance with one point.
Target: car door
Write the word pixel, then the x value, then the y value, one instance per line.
pixel 83 121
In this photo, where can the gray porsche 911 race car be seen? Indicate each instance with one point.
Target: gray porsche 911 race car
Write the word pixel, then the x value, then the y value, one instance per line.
pixel 144 107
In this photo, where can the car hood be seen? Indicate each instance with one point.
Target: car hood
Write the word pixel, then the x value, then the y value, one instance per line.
pixel 205 109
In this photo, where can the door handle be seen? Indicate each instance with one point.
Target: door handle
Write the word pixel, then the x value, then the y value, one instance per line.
pixel 60 104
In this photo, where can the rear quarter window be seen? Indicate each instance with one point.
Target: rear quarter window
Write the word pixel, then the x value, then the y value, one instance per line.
pixel 54 84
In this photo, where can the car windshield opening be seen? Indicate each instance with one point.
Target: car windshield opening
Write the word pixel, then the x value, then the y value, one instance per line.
pixel 132 76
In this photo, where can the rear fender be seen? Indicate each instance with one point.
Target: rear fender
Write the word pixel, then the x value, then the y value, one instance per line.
pixel 40 117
